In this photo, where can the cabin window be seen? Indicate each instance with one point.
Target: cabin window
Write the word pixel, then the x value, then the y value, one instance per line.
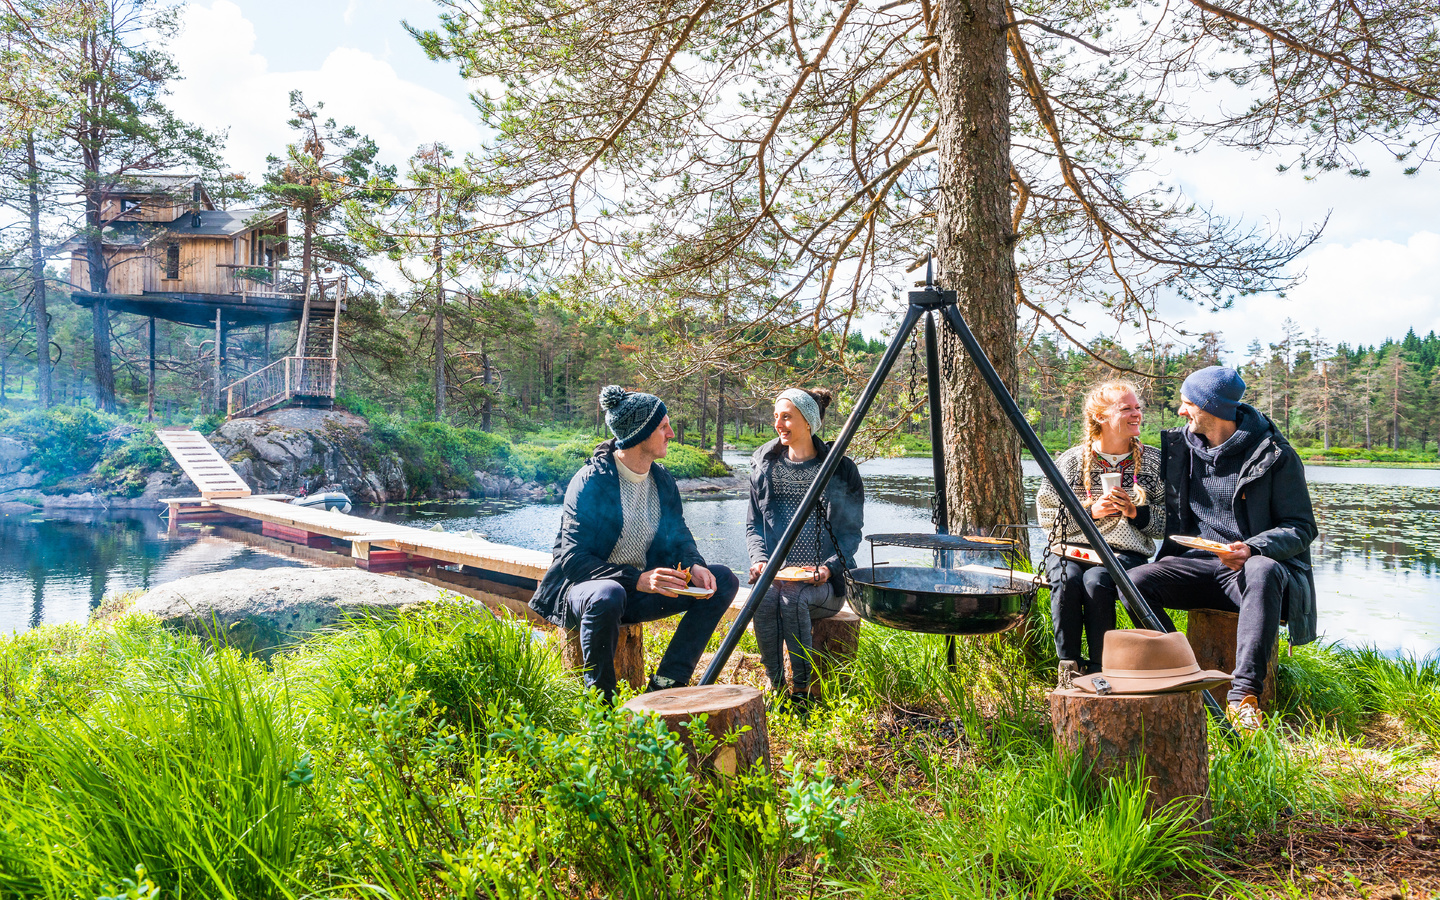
pixel 195 192
pixel 172 260
pixel 126 204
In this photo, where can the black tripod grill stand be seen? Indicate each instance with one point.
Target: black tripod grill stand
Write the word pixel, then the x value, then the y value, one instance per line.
pixel 929 302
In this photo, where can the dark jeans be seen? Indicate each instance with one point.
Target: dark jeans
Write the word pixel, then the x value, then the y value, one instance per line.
pixel 599 608
pixel 1198 580
pixel 1082 596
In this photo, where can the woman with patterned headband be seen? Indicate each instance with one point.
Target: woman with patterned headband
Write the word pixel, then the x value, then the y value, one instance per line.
pixel 781 473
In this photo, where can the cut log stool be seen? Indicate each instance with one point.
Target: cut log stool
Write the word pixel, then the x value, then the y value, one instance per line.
pixel 1212 636
pixel 629 654
pixel 1164 732
pixel 730 707
pixel 834 640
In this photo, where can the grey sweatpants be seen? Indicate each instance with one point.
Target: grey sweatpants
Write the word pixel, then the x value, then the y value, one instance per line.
pixel 783 620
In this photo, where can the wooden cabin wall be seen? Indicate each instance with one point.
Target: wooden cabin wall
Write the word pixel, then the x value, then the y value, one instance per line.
pixel 151 209
pixel 200 271
pixel 129 270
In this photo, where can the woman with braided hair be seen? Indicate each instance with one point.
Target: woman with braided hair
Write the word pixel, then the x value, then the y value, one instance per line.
pixel 1082 593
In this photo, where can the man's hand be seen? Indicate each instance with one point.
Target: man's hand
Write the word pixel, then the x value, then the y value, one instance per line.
pixel 666 581
pixel 702 578
pixel 756 569
pixel 1236 556
pixel 822 574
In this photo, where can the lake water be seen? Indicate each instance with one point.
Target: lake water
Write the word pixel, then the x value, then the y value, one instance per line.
pixel 1377 558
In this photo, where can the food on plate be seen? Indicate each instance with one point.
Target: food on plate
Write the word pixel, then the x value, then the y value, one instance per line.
pixel 1199 543
pixel 795 573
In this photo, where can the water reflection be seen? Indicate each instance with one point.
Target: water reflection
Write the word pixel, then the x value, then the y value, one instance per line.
pixel 55 567
pixel 1376 557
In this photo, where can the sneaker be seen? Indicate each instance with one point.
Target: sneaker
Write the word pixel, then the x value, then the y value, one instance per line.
pixel 1069 670
pixel 658 683
pixel 1245 714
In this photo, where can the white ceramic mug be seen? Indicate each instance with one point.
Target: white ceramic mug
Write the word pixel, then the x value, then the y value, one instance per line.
pixel 1109 482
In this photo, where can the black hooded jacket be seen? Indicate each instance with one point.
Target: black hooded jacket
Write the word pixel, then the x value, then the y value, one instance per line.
pixel 590 525
pixel 1272 509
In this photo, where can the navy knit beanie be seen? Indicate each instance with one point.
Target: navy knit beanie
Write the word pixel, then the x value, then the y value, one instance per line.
pixel 1215 389
pixel 631 415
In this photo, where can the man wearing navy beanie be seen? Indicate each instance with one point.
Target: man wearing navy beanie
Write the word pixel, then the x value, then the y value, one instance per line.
pixel 1233 479
pixel 624 550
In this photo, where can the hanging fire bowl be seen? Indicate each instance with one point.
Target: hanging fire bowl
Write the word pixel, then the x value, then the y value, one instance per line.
pixel 968 599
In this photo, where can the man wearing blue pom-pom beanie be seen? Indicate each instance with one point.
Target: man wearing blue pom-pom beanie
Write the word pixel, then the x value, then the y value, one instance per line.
pixel 1233 479
pixel 622 546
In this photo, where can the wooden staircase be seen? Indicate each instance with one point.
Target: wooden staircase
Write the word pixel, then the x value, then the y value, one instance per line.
pixel 309 377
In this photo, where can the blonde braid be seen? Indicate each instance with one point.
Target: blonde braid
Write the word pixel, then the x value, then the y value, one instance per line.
pixel 1137 454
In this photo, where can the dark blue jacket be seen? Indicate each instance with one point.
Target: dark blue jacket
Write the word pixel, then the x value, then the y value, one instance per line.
pixel 1272 509
pixel 590 525
pixel 845 508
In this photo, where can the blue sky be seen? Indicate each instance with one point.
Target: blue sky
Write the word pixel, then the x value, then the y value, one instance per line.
pixel 1375 273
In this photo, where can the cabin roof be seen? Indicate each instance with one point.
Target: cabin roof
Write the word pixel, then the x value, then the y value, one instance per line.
pixel 212 223
pixel 149 185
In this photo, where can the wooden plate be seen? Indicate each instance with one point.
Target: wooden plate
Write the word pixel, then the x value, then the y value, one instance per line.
pixel 795 573
pixel 1199 543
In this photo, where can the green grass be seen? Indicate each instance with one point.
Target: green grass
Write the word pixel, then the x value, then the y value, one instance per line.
pixel 445 753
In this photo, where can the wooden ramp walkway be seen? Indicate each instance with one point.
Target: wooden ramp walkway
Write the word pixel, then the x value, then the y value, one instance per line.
pixel 203 463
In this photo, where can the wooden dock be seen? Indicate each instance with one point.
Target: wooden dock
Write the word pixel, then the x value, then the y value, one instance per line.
pixel 499 575
pixel 366 536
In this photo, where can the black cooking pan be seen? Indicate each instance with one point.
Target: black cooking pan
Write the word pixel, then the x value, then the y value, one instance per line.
pixel 939 601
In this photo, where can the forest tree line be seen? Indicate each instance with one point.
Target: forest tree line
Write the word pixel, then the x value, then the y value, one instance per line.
pixel 471 325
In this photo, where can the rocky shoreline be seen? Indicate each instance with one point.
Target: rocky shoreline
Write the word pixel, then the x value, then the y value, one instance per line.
pixel 283 452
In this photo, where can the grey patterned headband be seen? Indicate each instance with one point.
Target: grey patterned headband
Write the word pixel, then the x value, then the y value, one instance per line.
pixel 806 404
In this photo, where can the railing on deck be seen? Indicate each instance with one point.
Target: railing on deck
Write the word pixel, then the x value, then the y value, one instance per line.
pixel 282 380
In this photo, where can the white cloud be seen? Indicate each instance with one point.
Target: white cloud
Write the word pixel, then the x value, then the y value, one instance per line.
pixel 227 85
pixel 1358 293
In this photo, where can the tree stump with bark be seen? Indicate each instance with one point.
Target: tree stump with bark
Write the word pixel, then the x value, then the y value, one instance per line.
pixel 1166 733
pixel 834 640
pixel 1212 637
pixel 629 654
pixel 728 708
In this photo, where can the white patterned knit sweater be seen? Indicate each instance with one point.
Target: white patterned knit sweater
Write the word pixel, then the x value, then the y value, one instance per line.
pixel 640 511
pixel 1119 532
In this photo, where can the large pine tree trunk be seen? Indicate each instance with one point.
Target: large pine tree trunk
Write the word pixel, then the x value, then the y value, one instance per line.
pixel 974 246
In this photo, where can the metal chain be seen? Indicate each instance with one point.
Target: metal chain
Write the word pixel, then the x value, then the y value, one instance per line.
pixel 914 370
pixel 819 542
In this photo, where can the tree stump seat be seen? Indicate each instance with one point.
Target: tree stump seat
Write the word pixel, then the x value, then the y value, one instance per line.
pixel 729 708
pixel 1166 733
pixel 1212 636
pixel 629 654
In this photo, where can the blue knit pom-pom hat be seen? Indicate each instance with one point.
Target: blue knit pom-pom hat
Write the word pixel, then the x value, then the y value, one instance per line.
pixel 632 416
pixel 1215 389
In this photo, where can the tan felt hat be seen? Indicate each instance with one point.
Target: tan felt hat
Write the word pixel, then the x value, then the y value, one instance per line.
pixel 1140 661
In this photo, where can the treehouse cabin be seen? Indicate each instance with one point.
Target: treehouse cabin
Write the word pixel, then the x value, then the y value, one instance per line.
pixel 170 254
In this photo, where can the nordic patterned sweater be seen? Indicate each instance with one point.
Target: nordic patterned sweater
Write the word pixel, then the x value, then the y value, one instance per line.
pixel 1137 535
